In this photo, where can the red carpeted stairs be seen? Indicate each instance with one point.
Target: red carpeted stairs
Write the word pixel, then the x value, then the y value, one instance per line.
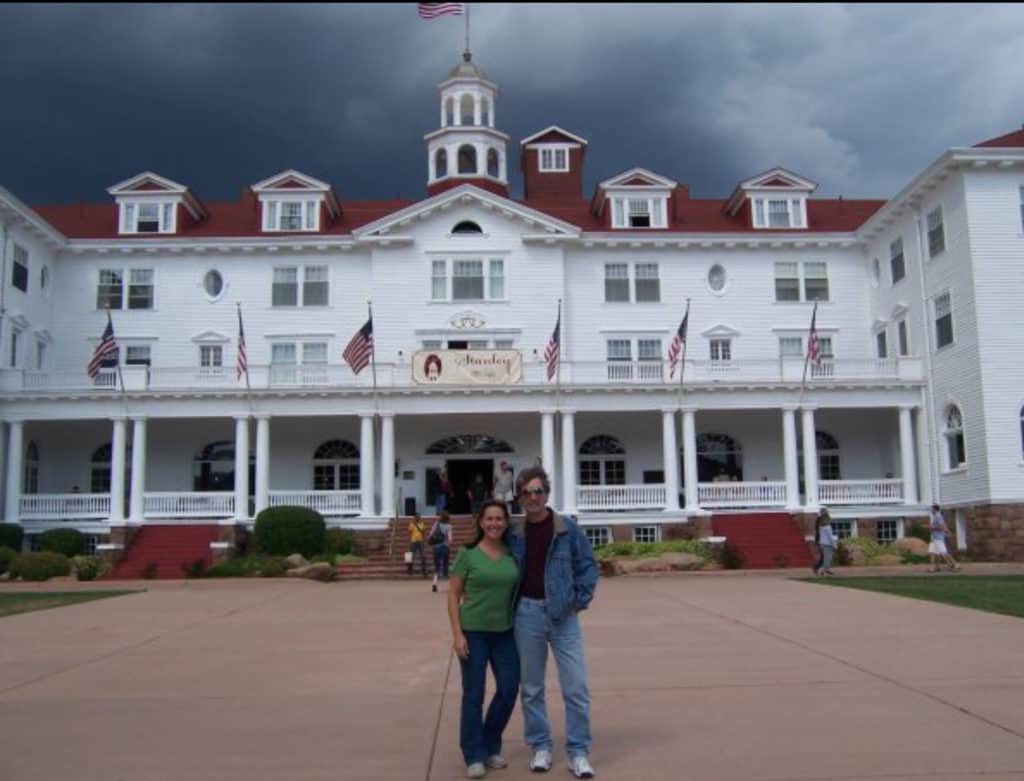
pixel 168 547
pixel 764 540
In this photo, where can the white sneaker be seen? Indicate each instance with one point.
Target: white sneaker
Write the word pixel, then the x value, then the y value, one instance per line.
pixel 496 762
pixel 476 770
pixel 541 762
pixel 580 767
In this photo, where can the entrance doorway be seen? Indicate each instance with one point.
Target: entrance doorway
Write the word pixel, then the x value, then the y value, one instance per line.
pixel 462 473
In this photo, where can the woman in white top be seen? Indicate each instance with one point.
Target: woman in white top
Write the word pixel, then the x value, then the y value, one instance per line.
pixel 826 539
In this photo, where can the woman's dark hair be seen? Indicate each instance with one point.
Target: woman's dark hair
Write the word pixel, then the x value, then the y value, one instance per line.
pixel 480 514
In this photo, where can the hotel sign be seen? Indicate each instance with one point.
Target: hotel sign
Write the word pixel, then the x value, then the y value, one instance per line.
pixel 467 367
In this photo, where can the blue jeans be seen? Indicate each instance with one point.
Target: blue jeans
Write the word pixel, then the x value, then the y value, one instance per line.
pixel 440 559
pixel 534 632
pixel 479 737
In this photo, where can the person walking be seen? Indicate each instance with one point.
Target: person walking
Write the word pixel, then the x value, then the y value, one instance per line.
pixel 440 541
pixel 937 550
pixel 558 576
pixel 504 489
pixel 417 534
pixel 826 539
pixel 480 599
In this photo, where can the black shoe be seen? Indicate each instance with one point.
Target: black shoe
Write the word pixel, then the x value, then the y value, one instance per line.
pixel 433 588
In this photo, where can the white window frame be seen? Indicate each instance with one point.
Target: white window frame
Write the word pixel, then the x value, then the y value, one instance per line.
pixel 903 338
pixel 40 354
pixel 939 314
pixel 632 279
pixel 126 282
pixel 796 211
pixel 211 359
pixel 20 260
pixel 302 274
pixel 598 535
pixel 130 216
pixel 625 207
pixel 896 252
pixel 936 233
pixel 793 341
pixel 720 350
pixel 137 355
pixel 273 213
pixel 647 534
pixel 887 538
pixel 949 436
pixel 553 158
pixel 490 266
pixel 14 348
pixel 801 278
pixel 881 344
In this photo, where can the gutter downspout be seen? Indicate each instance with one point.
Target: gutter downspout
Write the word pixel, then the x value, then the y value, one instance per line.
pixel 3 282
pixel 929 392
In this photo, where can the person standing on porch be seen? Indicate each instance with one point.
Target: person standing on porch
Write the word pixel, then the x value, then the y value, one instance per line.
pixel 558 578
pixel 445 492
pixel 937 550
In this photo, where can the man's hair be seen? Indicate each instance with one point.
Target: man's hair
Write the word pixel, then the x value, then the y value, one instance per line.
pixel 532 473
pixel 936 507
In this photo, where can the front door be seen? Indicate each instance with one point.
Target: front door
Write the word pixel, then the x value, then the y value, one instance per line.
pixel 462 473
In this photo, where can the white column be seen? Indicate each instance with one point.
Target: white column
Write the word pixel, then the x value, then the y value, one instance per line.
pixel 456 109
pixel 262 462
pixel 241 468
pixel 137 500
pixel 117 462
pixel 15 453
pixel 366 461
pixel 387 465
pixel 569 461
pixel 444 117
pixel 481 159
pixel 547 447
pixel 476 110
pixel 927 492
pixel 908 467
pixel 690 457
pixel 789 457
pixel 810 460
pixel 490 114
pixel 670 459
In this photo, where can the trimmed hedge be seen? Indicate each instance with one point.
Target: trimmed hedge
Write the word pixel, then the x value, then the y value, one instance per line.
pixel 282 531
pixel 7 555
pixel 70 542
pixel 40 566
pixel 90 567
pixel 11 535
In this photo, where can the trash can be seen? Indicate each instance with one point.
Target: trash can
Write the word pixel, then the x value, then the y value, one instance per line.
pixel 410 505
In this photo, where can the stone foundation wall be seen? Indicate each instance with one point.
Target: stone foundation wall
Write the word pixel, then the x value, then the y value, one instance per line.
pixel 995 532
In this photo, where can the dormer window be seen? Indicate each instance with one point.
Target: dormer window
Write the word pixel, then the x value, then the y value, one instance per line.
pixel 291 215
pixel 554 158
pixel 292 202
pixel 779 212
pixel 149 204
pixel 638 212
pixel 147 217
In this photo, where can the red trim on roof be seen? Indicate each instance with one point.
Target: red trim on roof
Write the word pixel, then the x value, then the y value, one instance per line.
pixel 484 184
pixel 1016 138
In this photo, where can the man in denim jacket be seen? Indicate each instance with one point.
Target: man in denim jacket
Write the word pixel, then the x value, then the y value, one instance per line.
pixel 557 579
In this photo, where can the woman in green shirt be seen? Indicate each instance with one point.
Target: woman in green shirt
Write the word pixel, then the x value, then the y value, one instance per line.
pixel 483 583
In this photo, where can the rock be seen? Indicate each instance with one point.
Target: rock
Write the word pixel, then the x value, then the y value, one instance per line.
pixel 682 561
pixel 607 567
pixel 296 560
pixel 912 545
pixel 321 571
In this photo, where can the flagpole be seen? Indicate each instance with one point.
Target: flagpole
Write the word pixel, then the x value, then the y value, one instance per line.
pixel 682 368
pixel 467 31
pixel 120 376
pixel 807 353
pixel 241 335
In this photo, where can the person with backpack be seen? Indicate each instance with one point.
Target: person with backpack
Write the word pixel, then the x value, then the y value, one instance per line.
pixel 826 539
pixel 440 542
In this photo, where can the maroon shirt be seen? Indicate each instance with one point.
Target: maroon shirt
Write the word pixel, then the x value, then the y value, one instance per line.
pixel 538 540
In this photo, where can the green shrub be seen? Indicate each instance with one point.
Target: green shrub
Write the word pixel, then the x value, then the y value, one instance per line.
pixel 40 566
pixel 70 542
pixel 11 535
pixel 247 567
pixel 281 531
pixel 90 567
pixel 7 555
pixel 906 557
pixel 643 550
pixel 339 542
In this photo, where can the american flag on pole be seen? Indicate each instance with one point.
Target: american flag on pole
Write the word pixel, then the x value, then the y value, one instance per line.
pixel 813 347
pixel 242 366
pixel 105 351
pixel 675 350
pixel 552 350
pixel 360 348
pixel 434 10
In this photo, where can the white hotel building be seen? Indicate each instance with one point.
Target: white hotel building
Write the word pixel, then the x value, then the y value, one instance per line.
pixel 920 396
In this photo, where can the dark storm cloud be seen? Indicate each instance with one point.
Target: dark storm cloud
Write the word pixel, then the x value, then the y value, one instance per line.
pixel 857 98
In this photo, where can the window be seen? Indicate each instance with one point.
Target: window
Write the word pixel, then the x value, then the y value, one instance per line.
pixel 646 282
pixel 291 215
pixel 439 280
pixel 108 293
pixel 602 461
pixel 466 227
pixel 936 235
pixel 639 212
pixel 40 354
pixel 19 271
pixel 471 280
pixel 953 433
pixel 791 278
pixel 30 484
pixel 466 159
pixel 648 286
pixel 213 283
pixel 140 288
pixel 285 367
pixel 648 351
pixel 787 281
pixel 44 277
pixel 285 291
pixel 843 529
pixel 881 346
pixel 721 350
pixel 15 347
pixel 897 263
pixel 876 272
pixel 497 278
pixel 616 282
pixel 791 347
pixel 148 217
pixel 282 354
pixel 943 320
pixel 646 534
pixel 779 212
pixel 554 159
pixel 113 293
pixel 336 466
pixel 211 358
pixel 887 530
pixel 314 287
pixel 815 282
pixel 597 535
pixel 467 280
pixel 619 350
pixel 901 336
pixel 827 367
pixel 717 278
pixel 137 355
pixel 440 164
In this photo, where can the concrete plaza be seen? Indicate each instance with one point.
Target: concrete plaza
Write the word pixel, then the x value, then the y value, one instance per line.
pixel 712 677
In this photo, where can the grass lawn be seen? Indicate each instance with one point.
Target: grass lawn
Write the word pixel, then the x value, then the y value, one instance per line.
pixel 994 593
pixel 10 604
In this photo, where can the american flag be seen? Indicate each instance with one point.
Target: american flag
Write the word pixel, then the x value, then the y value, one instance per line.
pixel 434 10
pixel 360 348
pixel 552 350
pixel 813 348
pixel 242 366
pixel 675 350
pixel 105 351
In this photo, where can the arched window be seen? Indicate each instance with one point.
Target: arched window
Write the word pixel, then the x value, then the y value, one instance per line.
pixel 466 227
pixel 828 456
pixel 31 482
pixel 953 433
pixel 602 461
pixel 492 163
pixel 99 472
pixel 440 164
pixel 336 466
pixel 485 111
pixel 213 468
pixel 466 105
pixel 469 443
pixel 449 111
pixel 467 159
pixel 719 458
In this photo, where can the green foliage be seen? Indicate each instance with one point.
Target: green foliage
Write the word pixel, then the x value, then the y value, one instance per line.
pixel 194 568
pixel 643 550
pixel 247 567
pixel 11 535
pixel 70 542
pixel 40 566
pixel 906 557
pixel 90 567
pixel 149 572
pixel 281 531
pixel 729 556
pixel 349 558
pixel 7 555
pixel 919 530
pixel 339 542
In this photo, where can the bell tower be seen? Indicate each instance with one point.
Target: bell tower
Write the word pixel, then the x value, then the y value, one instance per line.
pixel 467 148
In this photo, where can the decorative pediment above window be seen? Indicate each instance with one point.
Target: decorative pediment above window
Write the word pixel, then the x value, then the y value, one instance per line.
pixel 294 202
pixel 777 198
pixel 211 337
pixel 720 331
pixel 150 204
pixel 467 319
pixel 900 310
pixel 638 198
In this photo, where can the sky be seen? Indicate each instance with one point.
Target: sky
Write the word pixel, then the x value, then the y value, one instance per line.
pixel 858 98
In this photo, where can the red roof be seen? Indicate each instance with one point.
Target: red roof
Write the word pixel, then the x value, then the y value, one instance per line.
pixel 1016 138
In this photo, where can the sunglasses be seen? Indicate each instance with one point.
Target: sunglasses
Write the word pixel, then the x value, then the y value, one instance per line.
pixel 534 491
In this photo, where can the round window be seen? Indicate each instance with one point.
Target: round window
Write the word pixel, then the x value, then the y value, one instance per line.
pixel 716 278
pixel 213 283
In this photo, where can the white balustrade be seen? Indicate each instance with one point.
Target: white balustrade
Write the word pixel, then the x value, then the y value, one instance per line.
pixel 759 494
pixel 48 507
pixel 885 491
pixel 189 504
pixel 621 497
pixel 327 503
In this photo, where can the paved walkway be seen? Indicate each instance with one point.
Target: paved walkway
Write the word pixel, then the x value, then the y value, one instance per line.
pixel 718 678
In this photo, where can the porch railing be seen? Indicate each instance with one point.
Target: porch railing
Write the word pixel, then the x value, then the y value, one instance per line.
pixel 56 507
pixel 326 503
pixel 759 494
pixel 886 491
pixel 189 504
pixel 621 497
